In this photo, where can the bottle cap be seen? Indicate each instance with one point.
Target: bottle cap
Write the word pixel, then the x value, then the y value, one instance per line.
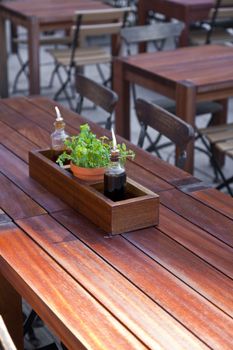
pixel 58 115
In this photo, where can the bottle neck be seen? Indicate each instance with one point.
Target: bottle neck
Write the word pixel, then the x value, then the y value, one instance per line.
pixel 59 125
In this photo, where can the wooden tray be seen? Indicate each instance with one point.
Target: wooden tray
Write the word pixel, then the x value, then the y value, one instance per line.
pixel 138 210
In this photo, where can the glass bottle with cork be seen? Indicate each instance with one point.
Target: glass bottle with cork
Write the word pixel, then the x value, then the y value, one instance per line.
pixel 59 135
pixel 115 175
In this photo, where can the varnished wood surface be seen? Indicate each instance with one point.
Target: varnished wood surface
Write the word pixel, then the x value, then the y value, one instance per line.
pixel 187 75
pixel 168 287
pixel 187 11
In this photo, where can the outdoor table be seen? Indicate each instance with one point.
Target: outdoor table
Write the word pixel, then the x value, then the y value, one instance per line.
pixel 187 75
pixel 187 11
pixel 37 16
pixel 164 287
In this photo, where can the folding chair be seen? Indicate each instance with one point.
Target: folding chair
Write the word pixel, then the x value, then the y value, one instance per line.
pixel 215 29
pixel 221 138
pixel 87 23
pixel 99 94
pixel 159 33
pixel 167 124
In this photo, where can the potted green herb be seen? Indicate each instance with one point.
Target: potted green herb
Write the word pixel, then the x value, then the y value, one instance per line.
pixel 88 155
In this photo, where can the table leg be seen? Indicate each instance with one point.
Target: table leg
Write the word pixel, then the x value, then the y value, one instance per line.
pixel 11 311
pixel 220 118
pixel 142 17
pixel 3 60
pixel 33 54
pixel 184 37
pixel 122 88
pixel 186 110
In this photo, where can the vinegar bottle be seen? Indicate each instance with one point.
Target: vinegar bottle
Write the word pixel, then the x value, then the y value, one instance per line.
pixel 115 178
pixel 58 136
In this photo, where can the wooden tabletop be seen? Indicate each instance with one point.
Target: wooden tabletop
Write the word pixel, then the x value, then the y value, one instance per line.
pixel 50 11
pixel 187 11
pixel 186 75
pixel 165 287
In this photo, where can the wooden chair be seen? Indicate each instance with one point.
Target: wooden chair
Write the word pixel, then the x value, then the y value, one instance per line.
pixel 6 342
pixel 87 23
pixel 219 137
pixel 215 28
pixel 46 39
pixel 159 33
pixel 167 124
pixel 98 94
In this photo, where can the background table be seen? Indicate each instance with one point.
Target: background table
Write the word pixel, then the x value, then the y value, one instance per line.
pixel 166 287
pixel 37 16
pixel 187 11
pixel 186 75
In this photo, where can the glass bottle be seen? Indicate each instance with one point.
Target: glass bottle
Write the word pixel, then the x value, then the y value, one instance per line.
pixel 115 178
pixel 58 136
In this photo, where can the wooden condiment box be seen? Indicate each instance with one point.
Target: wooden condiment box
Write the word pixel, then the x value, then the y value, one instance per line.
pixel 139 209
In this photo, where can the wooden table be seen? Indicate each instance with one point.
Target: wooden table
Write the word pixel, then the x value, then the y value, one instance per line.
pixel 187 11
pixel 186 75
pixel 36 16
pixel 166 287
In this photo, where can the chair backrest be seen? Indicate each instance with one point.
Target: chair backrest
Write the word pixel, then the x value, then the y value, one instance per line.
pixel 167 124
pixel 221 15
pixel 152 32
pixel 99 94
pixel 96 22
pixel 99 22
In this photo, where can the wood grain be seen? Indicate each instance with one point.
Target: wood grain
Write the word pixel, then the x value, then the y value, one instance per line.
pixel 216 200
pixel 147 274
pixel 15 142
pixel 9 162
pixel 66 313
pixel 111 289
pixel 15 202
pixel 197 240
pixel 199 214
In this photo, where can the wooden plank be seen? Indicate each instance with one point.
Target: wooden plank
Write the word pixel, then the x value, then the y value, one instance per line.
pixel 123 299
pixel 197 240
pixel 199 214
pixel 216 200
pixel 28 129
pixel 15 202
pixel 75 316
pixel 15 142
pixel 34 113
pixel 162 287
pixel 9 162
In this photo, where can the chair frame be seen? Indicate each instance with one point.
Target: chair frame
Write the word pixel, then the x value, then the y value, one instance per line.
pixel 114 15
pixel 176 130
pixel 99 94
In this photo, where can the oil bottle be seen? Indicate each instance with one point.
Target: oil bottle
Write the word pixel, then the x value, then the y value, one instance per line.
pixel 58 136
pixel 115 176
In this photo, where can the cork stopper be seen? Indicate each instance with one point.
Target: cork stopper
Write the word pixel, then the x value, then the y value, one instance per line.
pixel 115 155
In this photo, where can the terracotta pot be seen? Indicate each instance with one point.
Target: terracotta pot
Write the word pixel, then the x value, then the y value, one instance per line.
pixel 88 174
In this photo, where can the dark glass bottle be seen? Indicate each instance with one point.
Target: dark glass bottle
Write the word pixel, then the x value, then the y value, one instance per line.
pixel 115 178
